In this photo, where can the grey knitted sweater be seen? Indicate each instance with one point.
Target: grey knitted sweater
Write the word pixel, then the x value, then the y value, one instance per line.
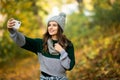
pixel 55 65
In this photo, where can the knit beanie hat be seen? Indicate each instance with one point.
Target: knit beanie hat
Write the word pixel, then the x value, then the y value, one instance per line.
pixel 60 19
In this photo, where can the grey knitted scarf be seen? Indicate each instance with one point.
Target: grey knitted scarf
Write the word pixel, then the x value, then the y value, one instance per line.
pixel 51 48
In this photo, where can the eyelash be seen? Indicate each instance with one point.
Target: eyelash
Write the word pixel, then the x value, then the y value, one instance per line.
pixel 53 25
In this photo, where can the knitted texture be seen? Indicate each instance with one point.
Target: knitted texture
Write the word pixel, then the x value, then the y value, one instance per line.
pixel 60 19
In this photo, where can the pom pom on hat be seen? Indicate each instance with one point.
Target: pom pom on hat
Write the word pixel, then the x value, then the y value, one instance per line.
pixel 62 14
pixel 60 19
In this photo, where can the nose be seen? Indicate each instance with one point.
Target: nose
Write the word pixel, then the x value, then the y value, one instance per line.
pixel 50 26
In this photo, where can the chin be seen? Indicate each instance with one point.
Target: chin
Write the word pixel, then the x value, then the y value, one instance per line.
pixel 52 34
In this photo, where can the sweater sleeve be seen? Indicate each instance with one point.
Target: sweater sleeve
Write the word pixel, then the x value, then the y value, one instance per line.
pixel 67 57
pixel 34 45
pixel 30 44
pixel 17 37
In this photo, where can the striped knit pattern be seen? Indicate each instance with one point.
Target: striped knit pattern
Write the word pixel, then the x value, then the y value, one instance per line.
pixel 51 66
pixel 52 78
pixel 55 65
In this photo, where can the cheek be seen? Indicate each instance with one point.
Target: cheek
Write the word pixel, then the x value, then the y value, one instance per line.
pixel 48 29
pixel 56 28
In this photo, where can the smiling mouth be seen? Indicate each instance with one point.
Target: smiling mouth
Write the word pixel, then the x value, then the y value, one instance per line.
pixel 51 31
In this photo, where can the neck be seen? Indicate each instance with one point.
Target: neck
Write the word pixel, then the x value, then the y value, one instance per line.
pixel 54 38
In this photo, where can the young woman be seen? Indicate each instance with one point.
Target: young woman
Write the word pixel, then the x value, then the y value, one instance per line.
pixel 55 51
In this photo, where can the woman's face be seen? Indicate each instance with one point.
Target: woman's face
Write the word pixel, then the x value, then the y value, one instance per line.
pixel 52 28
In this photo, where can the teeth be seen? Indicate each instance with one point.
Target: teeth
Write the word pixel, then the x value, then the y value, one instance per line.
pixel 51 31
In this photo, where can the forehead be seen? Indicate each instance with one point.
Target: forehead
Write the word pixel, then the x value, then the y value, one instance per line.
pixel 52 22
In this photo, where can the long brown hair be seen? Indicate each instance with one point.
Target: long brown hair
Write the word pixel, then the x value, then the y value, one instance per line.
pixel 62 39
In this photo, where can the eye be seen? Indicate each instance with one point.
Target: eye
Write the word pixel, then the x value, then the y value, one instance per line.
pixel 49 25
pixel 54 24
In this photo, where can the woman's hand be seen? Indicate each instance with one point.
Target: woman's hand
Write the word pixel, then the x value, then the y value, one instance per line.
pixel 58 47
pixel 10 23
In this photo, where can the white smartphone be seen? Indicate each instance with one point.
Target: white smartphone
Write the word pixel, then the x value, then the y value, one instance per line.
pixel 17 24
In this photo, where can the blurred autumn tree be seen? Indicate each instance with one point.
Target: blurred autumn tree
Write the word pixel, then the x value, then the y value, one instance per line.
pixel 95 33
pixel 31 13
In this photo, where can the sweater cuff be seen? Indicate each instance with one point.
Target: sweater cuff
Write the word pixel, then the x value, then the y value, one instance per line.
pixel 12 32
pixel 63 54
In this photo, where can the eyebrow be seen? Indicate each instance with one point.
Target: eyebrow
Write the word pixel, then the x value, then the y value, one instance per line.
pixel 53 24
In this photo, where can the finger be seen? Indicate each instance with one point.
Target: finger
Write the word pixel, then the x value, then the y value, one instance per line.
pixel 56 44
pixel 11 19
pixel 10 25
pixel 10 22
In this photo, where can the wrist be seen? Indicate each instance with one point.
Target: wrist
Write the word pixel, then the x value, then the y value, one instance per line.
pixel 11 30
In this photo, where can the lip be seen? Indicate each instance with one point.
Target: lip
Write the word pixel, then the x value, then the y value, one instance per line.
pixel 51 31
